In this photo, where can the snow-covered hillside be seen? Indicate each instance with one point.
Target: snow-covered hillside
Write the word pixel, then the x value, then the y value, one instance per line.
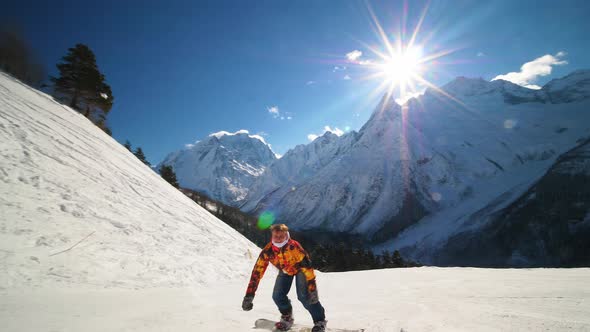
pixel 63 180
pixel 223 166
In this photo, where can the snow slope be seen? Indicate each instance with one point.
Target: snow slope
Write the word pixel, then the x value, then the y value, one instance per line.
pixel 151 260
pixel 61 180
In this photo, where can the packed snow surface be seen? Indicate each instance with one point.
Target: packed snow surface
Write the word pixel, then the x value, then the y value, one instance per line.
pixel 416 299
pixel 93 240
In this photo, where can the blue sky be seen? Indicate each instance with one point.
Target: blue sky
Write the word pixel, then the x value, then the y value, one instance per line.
pixel 181 70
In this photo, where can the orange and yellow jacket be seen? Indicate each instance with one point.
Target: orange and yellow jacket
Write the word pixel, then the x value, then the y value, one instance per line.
pixel 290 259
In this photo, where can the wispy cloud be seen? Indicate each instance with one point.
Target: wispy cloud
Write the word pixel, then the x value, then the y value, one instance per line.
pixel 274 111
pixel 339 68
pixel 531 71
pixel 346 77
pixel 312 137
pixel 354 55
pixel 337 131
pixel 278 114
pixel 480 54
pixel 310 82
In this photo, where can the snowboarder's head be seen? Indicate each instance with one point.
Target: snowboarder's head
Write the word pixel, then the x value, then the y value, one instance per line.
pixel 280 235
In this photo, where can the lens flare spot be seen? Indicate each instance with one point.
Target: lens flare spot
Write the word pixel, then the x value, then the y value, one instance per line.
pixel 509 124
pixel 266 219
pixel 436 196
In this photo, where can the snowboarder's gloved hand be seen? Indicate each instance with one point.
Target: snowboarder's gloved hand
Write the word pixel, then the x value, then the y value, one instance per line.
pixel 247 304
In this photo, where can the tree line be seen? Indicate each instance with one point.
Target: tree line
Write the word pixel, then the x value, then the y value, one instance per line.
pixel 327 256
pixel 79 83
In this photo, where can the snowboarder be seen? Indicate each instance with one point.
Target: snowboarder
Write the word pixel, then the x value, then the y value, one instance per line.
pixel 293 262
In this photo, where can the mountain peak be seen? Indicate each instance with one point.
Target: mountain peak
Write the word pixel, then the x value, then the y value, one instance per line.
pixel 223 166
pixel 572 87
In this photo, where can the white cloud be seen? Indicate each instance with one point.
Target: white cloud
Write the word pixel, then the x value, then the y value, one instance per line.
pixel 219 134
pixel 408 96
pixel 278 114
pixel 530 71
pixel 533 86
pixel 274 110
pixel 480 54
pixel 339 68
pixel 310 82
pixel 337 131
pixel 260 138
pixel 346 77
pixel 223 133
pixel 354 55
pixel 191 145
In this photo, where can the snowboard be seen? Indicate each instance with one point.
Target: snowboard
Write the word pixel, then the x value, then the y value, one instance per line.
pixel 267 324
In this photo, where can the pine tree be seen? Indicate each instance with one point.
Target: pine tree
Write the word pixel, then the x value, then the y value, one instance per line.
pixel 128 145
pixel 397 259
pixel 167 173
pixel 81 85
pixel 386 259
pixel 18 59
pixel 139 154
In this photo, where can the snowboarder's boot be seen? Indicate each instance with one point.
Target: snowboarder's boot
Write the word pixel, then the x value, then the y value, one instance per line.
pixel 319 326
pixel 285 323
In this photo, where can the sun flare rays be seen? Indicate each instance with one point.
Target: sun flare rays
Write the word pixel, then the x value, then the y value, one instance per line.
pixel 401 66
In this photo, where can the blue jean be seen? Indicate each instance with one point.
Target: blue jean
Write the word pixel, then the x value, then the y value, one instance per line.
pixel 281 289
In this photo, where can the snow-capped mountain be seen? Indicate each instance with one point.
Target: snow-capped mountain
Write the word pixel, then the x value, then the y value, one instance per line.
pixel 223 166
pixel 429 163
pixel 573 87
pixel 548 225
pixel 299 164
pixel 78 209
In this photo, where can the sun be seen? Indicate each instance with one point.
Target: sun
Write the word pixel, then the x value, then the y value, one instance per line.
pixel 401 62
pixel 401 67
